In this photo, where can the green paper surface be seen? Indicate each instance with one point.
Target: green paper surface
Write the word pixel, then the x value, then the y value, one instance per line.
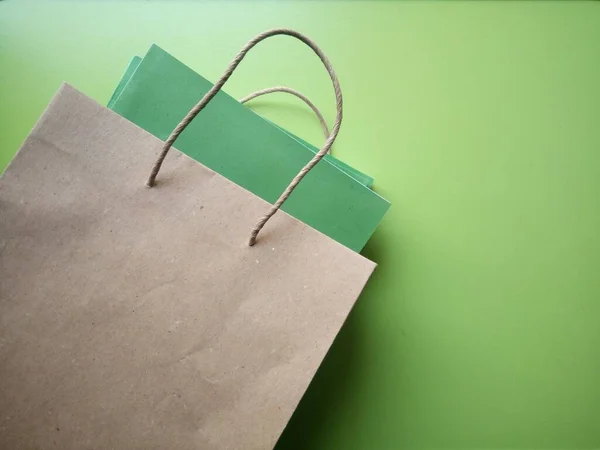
pixel 247 149
pixel 131 68
pixel 357 175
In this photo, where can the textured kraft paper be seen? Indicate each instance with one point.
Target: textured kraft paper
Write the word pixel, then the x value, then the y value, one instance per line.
pixel 136 318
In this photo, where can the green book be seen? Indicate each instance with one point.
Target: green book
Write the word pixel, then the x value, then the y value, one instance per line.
pixel 157 91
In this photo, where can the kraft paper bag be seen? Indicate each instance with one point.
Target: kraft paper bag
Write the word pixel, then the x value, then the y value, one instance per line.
pixel 354 173
pixel 237 143
pixel 136 318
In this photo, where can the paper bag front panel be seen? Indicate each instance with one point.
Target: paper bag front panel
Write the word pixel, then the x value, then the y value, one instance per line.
pixel 136 318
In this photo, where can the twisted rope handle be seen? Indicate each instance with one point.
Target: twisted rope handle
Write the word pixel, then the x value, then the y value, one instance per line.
pixel 217 87
pixel 294 92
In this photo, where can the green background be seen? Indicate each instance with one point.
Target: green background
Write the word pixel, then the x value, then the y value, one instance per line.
pixel 479 122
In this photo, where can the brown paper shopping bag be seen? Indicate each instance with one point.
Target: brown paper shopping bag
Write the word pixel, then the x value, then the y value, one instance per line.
pixel 136 318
